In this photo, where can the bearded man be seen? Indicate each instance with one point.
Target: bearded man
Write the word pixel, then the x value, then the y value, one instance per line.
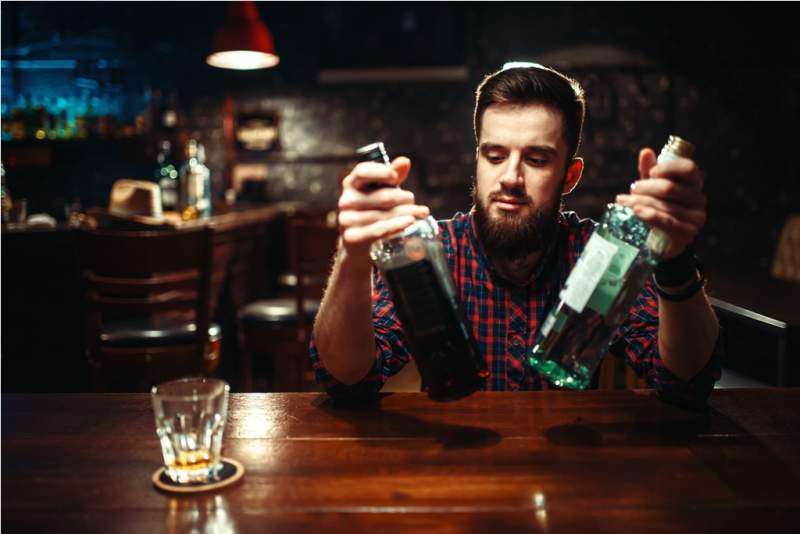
pixel 511 253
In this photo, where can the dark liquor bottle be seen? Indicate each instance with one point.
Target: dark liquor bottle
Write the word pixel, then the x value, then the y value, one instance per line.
pixel 414 266
pixel 166 176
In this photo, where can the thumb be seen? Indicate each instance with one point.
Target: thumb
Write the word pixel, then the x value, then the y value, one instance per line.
pixel 647 160
pixel 401 165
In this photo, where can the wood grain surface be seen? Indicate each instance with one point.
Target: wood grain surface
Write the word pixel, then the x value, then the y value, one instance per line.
pixel 534 462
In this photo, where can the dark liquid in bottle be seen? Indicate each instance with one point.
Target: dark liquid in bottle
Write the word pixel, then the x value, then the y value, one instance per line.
pixel 446 354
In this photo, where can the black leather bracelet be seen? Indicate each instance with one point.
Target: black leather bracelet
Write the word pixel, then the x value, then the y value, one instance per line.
pixel 687 292
pixel 677 271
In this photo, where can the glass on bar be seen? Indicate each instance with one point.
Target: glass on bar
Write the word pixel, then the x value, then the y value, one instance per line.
pixel 190 416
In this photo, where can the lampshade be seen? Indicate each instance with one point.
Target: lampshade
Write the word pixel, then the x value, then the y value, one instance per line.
pixel 243 42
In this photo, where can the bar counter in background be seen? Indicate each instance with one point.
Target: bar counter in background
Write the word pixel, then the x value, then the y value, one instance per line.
pixel 42 316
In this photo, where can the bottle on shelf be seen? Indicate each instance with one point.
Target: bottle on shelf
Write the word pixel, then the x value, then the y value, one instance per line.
pixel 82 109
pixel 195 180
pixel 166 176
pixel 414 267
pixel 597 295
pixel 204 198
pixel 5 198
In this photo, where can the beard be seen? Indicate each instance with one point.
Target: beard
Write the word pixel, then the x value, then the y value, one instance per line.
pixel 512 236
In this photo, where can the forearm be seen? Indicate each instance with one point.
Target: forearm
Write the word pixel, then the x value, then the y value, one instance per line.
pixel 687 334
pixel 343 329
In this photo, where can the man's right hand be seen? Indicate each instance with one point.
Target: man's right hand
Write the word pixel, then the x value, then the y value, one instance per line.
pixel 373 206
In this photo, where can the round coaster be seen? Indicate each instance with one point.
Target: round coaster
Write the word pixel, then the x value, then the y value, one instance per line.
pixel 230 472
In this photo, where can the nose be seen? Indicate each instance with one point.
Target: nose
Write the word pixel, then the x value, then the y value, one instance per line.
pixel 512 173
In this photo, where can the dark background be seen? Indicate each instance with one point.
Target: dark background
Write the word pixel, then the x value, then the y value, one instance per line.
pixel 723 75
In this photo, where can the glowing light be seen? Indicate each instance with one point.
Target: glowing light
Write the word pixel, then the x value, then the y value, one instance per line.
pixel 242 60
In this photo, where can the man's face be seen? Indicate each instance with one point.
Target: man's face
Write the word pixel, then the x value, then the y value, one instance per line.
pixel 519 178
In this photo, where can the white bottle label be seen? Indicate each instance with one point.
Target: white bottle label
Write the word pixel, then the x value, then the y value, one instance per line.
pixel 588 271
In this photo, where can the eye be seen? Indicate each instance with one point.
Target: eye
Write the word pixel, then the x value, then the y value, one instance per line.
pixel 538 162
pixel 494 157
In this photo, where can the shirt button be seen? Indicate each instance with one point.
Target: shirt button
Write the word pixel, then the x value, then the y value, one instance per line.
pixel 516 341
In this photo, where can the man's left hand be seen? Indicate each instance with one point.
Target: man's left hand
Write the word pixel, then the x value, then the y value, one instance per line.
pixel 669 196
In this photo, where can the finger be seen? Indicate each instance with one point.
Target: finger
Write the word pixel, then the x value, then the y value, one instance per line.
pixel 694 216
pixel 379 199
pixel 681 170
pixel 352 218
pixel 402 166
pixel 670 191
pixel 666 222
pixel 378 230
pixel 647 160
pixel 370 172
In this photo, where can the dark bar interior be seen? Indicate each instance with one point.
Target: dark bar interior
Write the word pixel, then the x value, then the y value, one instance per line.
pixel 90 90
pixel 171 208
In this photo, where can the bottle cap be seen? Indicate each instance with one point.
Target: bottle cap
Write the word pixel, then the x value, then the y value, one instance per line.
pixel 679 146
pixel 373 152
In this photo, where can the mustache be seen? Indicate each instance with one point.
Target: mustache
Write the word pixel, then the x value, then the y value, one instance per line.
pixel 511 194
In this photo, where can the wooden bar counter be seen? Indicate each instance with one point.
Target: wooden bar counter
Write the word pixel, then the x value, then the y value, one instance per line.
pixel 498 462
pixel 42 315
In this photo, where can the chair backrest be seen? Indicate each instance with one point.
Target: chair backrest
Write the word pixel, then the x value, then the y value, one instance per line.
pixel 147 275
pixel 312 245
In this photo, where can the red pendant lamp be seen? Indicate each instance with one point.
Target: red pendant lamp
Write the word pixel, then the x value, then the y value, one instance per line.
pixel 243 42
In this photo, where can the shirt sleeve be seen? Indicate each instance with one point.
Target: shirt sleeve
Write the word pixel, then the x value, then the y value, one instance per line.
pixel 637 340
pixel 391 352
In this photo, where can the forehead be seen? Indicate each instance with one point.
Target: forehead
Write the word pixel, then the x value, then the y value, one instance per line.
pixel 520 126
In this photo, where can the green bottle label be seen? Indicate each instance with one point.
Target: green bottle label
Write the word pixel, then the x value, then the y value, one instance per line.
pixel 599 274
pixel 593 262
pixel 614 276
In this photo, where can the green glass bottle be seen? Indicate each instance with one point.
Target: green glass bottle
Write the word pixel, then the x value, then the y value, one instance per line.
pixel 166 176
pixel 609 275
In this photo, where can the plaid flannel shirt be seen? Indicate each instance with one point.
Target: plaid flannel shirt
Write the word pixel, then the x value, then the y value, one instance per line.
pixel 504 318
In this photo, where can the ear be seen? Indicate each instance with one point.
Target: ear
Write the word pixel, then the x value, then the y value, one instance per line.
pixel 574 173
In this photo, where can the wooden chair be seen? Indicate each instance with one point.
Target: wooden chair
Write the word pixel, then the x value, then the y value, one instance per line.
pixel 615 374
pixel 147 306
pixel 273 327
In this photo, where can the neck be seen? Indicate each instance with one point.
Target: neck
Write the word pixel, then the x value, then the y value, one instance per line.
pixel 518 270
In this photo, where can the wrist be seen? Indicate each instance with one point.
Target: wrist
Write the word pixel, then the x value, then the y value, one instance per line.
pixel 679 278
pixel 353 261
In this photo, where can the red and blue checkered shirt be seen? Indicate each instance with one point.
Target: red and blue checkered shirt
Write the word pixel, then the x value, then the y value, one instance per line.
pixel 505 317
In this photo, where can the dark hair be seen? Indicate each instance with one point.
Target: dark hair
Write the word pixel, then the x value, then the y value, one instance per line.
pixel 534 84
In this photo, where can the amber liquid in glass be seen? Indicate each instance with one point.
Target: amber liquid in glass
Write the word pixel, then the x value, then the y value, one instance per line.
pixel 191 460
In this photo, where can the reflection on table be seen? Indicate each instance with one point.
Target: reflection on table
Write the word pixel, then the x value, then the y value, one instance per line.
pixel 561 461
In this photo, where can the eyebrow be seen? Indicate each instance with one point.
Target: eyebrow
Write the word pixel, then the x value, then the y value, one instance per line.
pixel 530 148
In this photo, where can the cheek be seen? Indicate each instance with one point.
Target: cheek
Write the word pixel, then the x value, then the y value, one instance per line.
pixel 485 176
pixel 545 184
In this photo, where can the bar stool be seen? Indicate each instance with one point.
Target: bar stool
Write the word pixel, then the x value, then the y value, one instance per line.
pixel 273 328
